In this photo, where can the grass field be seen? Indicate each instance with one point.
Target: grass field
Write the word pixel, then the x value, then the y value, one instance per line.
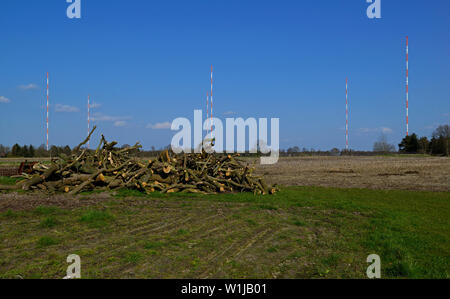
pixel 301 232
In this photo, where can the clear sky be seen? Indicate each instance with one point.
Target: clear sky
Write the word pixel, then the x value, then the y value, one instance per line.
pixel 145 63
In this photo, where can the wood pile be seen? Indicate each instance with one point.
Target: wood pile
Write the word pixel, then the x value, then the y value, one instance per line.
pixel 109 168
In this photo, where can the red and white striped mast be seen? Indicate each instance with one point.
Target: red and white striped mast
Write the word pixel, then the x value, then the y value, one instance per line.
pixel 47 111
pixel 346 114
pixel 207 109
pixel 88 118
pixel 211 101
pixel 407 87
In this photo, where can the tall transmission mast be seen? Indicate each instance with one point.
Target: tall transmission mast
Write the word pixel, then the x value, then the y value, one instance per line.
pixel 407 87
pixel 88 119
pixel 211 100
pixel 47 110
pixel 346 114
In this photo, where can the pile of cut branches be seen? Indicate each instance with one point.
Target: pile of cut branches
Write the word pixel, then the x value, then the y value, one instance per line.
pixel 109 168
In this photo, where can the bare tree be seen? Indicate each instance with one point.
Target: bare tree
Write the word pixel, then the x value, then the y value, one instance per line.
pixel 4 150
pixel 382 145
pixel 442 131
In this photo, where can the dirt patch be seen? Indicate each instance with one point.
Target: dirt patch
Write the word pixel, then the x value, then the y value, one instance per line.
pixel 8 171
pixel 403 173
pixel 25 202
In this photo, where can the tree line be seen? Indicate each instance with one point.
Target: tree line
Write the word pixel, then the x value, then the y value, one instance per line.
pixel 439 144
pixel 29 151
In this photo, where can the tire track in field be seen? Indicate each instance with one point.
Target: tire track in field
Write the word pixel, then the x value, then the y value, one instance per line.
pixel 182 213
pixel 199 216
pixel 215 229
pixel 146 226
pixel 116 247
pixel 168 227
pixel 252 241
pixel 215 255
pixel 194 228
pixel 172 226
pixel 259 250
pixel 272 236
pixel 151 226
pixel 86 234
pixel 231 229
pixel 234 246
pixel 93 233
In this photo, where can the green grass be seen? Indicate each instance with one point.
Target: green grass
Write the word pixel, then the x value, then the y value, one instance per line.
pixel 301 232
pixel 181 232
pixel 96 218
pixel 8 180
pixel 46 241
pixel 129 193
pixel 49 222
pixel 153 245
pixel 9 214
pixel 91 192
pixel 132 257
pixel 298 222
pixel 409 230
pixel 268 207
pixel 46 211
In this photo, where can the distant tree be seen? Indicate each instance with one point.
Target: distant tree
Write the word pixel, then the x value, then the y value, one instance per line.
pixel 54 151
pixel 153 148
pixel 442 131
pixel 41 151
pixel 25 152
pixel 31 151
pixel 66 150
pixel 16 150
pixel 294 149
pixel 335 151
pixel 424 145
pixel 4 150
pixel 440 141
pixel 409 144
pixel 382 145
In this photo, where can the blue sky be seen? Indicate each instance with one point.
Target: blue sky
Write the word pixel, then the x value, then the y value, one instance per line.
pixel 145 63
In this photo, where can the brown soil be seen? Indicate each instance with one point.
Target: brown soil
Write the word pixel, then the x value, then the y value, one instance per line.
pixel 24 202
pixel 405 173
